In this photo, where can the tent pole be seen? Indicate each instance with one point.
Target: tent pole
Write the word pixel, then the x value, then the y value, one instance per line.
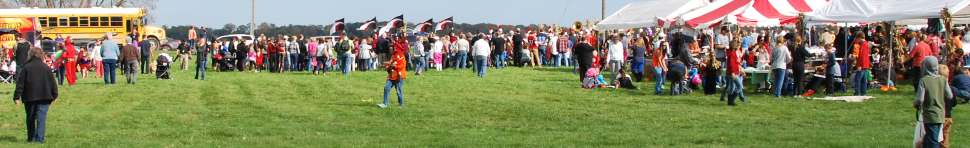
pixel 892 41
pixel 945 20
pixel 845 52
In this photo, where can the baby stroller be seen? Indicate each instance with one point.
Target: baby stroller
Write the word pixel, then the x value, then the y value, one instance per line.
pixel 164 64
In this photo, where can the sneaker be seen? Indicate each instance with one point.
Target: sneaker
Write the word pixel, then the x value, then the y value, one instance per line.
pixel 382 105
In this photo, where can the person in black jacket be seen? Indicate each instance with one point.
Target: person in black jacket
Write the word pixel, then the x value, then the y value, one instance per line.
pixel 242 50
pixel 584 56
pixel 36 90
pixel 798 63
pixel 20 54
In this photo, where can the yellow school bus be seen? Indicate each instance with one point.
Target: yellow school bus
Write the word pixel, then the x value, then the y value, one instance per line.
pixel 88 24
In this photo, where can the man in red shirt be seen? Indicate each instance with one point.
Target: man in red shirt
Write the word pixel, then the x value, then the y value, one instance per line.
pixel 862 65
pixel 921 51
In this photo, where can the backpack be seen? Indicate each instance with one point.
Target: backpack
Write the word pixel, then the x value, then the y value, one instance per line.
pixel 342 47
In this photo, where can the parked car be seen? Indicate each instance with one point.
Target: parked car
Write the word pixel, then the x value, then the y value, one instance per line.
pixel 247 38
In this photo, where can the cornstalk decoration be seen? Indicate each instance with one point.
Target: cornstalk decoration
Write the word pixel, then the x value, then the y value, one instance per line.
pixel 948 28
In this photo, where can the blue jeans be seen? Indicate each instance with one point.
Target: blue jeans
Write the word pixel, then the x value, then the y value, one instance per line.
pixel 294 61
pixel 542 56
pixel 861 84
pixel 421 64
pixel 636 66
pixel 346 63
pixel 462 59
pixel 480 65
pixel 309 60
pixel 930 140
pixel 658 74
pixel 60 74
pixel 500 60
pixel 109 70
pixel 36 121
pixel 734 89
pixel 200 70
pixel 739 88
pixel 399 84
pixel 285 60
pixel 779 80
pixel 558 59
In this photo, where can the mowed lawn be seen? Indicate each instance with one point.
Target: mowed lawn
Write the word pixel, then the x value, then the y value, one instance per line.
pixel 513 107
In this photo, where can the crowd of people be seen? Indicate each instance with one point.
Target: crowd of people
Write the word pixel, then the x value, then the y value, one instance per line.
pixel 779 61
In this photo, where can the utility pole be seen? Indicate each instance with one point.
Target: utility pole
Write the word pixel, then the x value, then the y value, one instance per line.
pixel 252 21
pixel 602 9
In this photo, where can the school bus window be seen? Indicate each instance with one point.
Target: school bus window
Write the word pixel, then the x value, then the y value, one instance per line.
pixel 83 21
pixel 94 21
pixel 104 21
pixel 73 22
pixel 61 21
pixel 42 21
pixel 116 22
pixel 52 22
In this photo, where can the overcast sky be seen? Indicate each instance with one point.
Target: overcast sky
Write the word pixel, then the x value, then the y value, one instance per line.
pixel 324 12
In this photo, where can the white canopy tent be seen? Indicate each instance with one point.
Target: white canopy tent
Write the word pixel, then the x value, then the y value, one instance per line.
pixel 904 12
pixel 961 16
pixel 649 13
pixel 855 11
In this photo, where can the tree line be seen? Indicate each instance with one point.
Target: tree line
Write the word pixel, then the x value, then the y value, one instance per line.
pixel 180 32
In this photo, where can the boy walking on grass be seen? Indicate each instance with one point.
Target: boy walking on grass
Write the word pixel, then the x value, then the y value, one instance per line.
pixel 396 72
pixel 931 94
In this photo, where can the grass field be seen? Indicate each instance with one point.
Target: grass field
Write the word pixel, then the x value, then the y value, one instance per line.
pixel 513 107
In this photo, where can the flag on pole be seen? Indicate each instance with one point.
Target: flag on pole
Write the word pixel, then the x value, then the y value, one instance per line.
pixel 424 26
pixel 368 24
pixel 338 26
pixel 392 24
pixel 444 24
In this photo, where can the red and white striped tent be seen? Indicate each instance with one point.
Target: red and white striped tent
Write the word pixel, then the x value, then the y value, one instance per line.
pixel 750 12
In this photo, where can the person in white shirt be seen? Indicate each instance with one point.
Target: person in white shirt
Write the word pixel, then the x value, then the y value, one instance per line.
pixel 615 56
pixel 553 47
pixel 325 55
pixel 96 59
pixel 436 51
pixel 366 55
pixel 462 48
pixel 481 51
pixel 320 55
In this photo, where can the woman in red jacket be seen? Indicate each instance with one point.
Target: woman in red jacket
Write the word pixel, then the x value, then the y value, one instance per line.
pixel 70 61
